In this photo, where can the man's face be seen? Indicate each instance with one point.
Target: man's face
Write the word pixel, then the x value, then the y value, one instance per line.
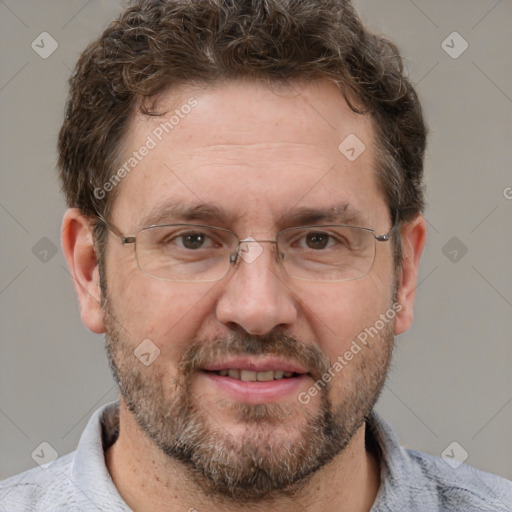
pixel 259 157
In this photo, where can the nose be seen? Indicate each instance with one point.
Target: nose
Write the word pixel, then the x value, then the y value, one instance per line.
pixel 255 295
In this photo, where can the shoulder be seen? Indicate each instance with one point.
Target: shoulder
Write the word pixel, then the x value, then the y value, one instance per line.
pixel 412 480
pixel 39 488
pixel 461 487
pixel 77 481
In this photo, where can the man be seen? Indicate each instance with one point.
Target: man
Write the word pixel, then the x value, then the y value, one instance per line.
pixel 245 226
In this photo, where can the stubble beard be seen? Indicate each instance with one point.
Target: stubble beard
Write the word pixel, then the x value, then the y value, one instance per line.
pixel 266 462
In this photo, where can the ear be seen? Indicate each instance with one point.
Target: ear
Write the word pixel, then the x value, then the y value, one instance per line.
pixel 78 246
pixel 413 235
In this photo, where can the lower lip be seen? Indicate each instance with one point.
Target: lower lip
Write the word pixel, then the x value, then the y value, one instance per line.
pixel 257 392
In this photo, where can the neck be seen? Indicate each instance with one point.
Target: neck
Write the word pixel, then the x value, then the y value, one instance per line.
pixel 147 479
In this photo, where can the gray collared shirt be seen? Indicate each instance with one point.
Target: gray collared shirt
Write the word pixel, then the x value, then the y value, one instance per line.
pixel 411 481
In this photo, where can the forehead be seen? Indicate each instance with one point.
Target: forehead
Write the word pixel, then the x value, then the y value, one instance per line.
pixel 250 152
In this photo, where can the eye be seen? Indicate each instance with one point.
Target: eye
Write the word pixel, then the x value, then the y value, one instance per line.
pixel 185 243
pixel 185 239
pixel 317 240
pixel 314 240
pixel 193 240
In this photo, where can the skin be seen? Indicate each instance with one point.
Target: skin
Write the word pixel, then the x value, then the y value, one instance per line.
pixel 257 154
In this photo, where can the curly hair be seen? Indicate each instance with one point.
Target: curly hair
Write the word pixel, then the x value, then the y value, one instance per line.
pixel 158 44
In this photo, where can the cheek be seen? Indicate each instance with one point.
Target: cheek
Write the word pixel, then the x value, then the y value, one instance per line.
pixel 169 314
pixel 354 334
pixel 340 312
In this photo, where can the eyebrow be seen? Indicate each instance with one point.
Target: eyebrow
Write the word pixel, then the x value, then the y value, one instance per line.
pixel 178 211
pixel 342 213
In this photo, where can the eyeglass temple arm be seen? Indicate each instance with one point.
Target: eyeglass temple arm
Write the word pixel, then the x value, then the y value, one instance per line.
pixel 124 239
pixel 386 236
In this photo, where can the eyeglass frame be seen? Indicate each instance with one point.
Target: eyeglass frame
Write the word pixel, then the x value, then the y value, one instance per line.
pixel 235 256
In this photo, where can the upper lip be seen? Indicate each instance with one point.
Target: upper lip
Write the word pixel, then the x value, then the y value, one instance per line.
pixel 259 364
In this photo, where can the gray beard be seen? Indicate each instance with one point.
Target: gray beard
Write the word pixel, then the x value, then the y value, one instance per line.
pixel 260 465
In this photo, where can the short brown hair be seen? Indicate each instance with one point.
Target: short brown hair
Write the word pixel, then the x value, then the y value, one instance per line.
pixel 158 44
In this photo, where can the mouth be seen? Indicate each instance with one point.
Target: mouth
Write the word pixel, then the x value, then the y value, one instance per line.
pixel 255 376
pixel 256 381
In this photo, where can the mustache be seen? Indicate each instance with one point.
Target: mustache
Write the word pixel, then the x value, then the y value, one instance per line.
pixel 203 352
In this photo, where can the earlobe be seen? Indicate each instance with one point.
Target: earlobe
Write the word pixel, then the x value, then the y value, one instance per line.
pixel 78 246
pixel 413 236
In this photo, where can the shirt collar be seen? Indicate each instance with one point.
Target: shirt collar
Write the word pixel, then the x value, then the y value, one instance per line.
pixel 89 471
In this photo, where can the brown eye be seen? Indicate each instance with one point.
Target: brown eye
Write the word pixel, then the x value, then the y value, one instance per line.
pixel 317 240
pixel 193 241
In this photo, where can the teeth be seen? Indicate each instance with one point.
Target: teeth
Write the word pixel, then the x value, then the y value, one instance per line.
pixel 264 376
pixel 252 376
pixel 234 374
pixel 248 376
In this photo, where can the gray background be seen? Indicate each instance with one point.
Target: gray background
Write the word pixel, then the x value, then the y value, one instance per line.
pixel 451 379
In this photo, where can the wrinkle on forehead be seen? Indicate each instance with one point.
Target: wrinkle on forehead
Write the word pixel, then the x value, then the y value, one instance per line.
pixel 257 155
pixel 270 146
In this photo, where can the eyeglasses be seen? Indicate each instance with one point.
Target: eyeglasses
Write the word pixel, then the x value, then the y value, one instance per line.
pixel 202 253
